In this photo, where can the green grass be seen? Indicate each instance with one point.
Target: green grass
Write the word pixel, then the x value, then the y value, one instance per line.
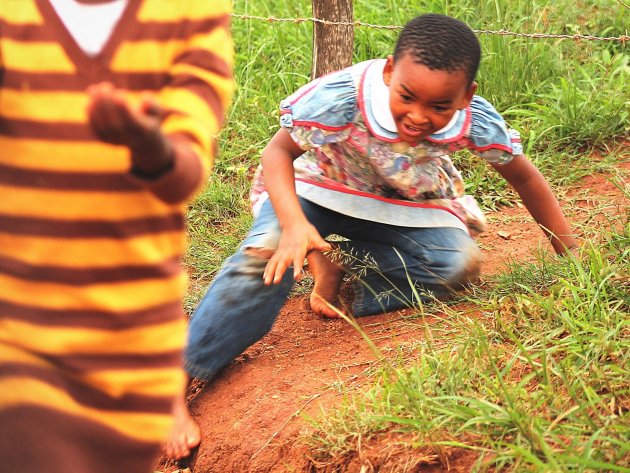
pixel 539 381
pixel 217 222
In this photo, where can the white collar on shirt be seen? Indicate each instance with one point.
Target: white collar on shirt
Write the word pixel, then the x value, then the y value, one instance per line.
pixel 90 25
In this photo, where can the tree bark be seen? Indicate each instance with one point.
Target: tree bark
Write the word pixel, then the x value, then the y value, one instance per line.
pixel 332 44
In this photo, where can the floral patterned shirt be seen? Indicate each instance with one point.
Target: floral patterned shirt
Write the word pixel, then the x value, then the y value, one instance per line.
pixel 356 164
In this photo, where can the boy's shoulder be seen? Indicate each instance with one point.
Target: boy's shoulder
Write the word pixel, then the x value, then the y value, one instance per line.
pixel 488 132
pixel 341 79
pixel 482 130
pixel 468 122
pixel 328 101
pixel 483 118
pixel 481 108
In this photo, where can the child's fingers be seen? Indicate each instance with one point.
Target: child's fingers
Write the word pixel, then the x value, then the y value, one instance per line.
pixel 150 106
pixel 101 108
pixel 112 118
pixel 281 268
pixel 276 267
pixel 322 245
pixel 101 115
pixel 100 89
pixel 298 262
pixel 270 271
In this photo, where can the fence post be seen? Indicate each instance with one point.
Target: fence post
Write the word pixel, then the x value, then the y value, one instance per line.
pixel 332 44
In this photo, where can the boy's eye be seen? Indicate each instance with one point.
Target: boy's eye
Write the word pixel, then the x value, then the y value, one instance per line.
pixel 406 98
pixel 440 108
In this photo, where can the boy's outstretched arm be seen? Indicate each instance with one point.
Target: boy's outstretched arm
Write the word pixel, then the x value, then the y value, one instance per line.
pixel 172 135
pixel 540 201
pixel 115 120
pixel 298 235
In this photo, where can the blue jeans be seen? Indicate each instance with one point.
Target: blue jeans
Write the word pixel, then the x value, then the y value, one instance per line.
pixel 393 267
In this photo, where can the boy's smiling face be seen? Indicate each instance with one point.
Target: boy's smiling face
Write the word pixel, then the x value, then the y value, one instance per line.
pixel 423 100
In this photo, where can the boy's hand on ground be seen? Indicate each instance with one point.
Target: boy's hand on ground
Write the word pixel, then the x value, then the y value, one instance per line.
pixel 296 241
pixel 115 120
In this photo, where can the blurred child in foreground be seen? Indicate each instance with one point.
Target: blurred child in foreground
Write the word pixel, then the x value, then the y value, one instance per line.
pixel 108 112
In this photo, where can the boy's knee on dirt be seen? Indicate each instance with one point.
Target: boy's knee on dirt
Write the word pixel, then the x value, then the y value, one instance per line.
pixel 452 265
pixel 464 267
pixel 258 248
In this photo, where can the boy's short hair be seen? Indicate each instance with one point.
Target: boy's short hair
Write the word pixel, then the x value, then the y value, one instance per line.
pixel 440 42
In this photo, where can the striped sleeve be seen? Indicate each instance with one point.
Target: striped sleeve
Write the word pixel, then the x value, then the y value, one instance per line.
pixel 197 95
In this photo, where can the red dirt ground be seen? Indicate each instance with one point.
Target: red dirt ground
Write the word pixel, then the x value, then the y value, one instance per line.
pixel 251 414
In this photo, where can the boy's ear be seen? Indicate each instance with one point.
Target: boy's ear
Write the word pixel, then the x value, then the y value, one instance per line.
pixel 469 94
pixel 388 69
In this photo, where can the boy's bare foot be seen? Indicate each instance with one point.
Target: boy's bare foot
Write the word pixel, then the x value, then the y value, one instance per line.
pixel 328 277
pixel 185 434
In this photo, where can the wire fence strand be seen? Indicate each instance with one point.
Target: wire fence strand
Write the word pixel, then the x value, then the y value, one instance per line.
pixel 577 37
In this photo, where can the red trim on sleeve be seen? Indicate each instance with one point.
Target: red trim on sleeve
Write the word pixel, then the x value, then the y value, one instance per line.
pixel 321 125
pixel 309 123
pixel 505 148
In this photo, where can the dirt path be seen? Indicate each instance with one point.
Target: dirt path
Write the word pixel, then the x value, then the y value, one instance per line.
pixel 250 415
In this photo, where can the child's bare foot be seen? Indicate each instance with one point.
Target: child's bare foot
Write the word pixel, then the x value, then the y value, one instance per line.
pixel 328 277
pixel 185 434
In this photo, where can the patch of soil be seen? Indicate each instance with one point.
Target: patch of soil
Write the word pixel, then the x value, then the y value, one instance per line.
pixel 251 414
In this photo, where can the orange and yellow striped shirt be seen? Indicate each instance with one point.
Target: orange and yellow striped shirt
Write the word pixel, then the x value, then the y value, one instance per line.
pixel 91 325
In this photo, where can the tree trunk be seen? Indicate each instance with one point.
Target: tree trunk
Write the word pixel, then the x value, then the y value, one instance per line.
pixel 332 44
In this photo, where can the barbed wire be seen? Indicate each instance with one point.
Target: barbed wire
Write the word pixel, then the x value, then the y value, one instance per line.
pixel 502 32
pixel 621 3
